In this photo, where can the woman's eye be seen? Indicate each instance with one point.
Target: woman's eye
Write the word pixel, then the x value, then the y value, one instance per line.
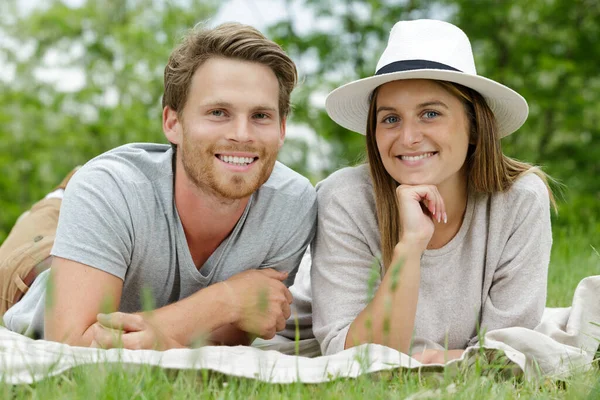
pixel 391 120
pixel 431 114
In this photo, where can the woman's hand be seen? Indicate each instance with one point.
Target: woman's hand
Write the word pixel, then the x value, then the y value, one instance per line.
pixel 419 206
pixel 431 356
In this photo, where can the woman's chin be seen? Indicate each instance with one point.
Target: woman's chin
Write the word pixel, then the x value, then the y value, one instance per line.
pixel 415 182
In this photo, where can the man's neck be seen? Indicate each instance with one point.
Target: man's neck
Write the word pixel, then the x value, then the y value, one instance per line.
pixel 207 218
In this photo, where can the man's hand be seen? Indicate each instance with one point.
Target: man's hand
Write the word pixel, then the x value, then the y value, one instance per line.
pixel 129 331
pixel 431 356
pixel 260 301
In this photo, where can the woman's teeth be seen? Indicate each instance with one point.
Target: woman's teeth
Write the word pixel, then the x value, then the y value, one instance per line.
pixel 415 158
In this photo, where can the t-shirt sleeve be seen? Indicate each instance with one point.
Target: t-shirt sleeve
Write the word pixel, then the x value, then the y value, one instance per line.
pixel 95 225
pixel 343 265
pixel 517 295
pixel 295 232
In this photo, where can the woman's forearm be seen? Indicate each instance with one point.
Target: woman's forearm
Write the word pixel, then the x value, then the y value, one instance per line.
pixel 390 317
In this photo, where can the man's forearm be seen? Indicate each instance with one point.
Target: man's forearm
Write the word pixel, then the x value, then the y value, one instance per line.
pixel 195 317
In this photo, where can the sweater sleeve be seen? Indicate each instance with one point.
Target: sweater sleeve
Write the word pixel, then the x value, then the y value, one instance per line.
pixel 517 295
pixel 343 261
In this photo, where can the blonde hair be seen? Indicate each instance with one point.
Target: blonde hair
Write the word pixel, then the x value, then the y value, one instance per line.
pixel 229 40
pixel 488 169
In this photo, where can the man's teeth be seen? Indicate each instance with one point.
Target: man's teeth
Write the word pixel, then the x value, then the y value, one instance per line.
pixel 415 158
pixel 241 161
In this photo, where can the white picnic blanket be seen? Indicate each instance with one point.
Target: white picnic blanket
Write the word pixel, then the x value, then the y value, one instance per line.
pixel 565 341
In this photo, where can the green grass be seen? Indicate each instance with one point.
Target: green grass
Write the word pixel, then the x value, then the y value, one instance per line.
pixel 119 382
pixel 573 258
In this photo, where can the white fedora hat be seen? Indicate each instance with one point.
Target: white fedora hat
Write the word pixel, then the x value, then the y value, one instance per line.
pixel 426 49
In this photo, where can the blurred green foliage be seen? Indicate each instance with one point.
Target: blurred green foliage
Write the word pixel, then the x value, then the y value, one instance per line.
pixel 114 53
pixel 546 50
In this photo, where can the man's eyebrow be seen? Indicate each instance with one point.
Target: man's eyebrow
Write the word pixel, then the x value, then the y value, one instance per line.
pixel 265 108
pixel 226 104
pixel 217 103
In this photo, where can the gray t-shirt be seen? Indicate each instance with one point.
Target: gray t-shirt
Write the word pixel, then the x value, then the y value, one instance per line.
pixel 493 271
pixel 118 215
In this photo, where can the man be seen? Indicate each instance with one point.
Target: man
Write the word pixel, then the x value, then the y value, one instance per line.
pixel 207 233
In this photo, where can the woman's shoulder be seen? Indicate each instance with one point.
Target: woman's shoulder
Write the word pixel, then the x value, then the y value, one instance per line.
pixel 356 179
pixel 347 200
pixel 527 189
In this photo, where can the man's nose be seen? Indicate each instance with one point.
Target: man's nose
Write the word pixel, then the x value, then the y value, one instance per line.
pixel 240 132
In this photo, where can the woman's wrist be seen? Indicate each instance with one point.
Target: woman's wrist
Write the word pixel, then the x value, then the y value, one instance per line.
pixel 408 246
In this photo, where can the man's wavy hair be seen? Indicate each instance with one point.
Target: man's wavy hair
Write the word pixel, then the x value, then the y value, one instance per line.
pixel 229 40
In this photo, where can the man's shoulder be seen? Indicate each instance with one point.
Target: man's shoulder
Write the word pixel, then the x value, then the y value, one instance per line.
pixel 130 164
pixel 286 182
pixel 286 194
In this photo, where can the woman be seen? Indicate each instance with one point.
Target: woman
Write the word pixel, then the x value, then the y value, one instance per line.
pixel 451 237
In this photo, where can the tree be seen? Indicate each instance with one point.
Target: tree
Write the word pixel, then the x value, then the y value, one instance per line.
pixel 342 44
pixel 545 50
pixel 548 52
pixel 110 58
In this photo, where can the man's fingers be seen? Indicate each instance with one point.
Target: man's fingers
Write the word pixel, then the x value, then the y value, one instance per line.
pixel 106 338
pixel 271 273
pixel 286 310
pixel 288 295
pixel 280 325
pixel 269 334
pixel 122 321
pixel 138 341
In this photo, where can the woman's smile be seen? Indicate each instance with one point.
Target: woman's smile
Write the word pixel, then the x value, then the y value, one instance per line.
pixel 422 133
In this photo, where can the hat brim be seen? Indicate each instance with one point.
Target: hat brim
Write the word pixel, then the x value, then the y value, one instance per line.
pixel 348 105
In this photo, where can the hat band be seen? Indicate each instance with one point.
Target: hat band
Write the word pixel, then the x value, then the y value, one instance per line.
pixel 409 65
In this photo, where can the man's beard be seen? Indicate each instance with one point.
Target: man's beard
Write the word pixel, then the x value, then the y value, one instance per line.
pixel 199 165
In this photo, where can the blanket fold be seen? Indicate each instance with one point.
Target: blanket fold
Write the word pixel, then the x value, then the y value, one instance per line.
pixel 564 342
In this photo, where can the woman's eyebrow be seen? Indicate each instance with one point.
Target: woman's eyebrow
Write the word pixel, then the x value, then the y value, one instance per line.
pixel 432 103
pixel 383 108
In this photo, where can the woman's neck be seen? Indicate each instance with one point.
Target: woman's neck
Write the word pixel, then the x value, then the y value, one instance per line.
pixel 455 195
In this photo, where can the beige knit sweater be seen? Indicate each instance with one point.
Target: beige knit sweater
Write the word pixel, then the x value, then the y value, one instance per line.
pixel 493 271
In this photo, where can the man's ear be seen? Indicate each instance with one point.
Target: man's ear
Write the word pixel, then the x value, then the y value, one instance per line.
pixel 172 125
pixel 282 132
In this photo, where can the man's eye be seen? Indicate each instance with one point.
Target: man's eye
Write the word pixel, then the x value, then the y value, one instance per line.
pixel 261 116
pixel 217 113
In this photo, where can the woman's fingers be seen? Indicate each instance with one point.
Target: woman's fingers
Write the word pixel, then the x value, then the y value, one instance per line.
pixel 419 207
pixel 439 213
pixel 428 195
pixel 441 205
